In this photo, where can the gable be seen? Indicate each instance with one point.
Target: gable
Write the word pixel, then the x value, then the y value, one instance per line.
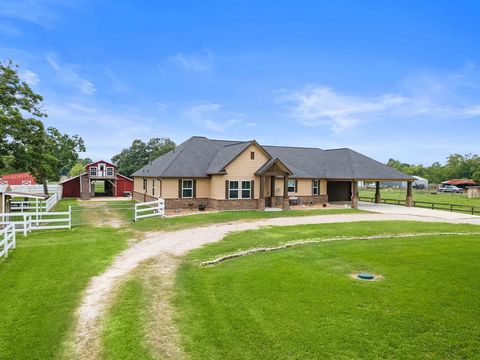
pixel 243 164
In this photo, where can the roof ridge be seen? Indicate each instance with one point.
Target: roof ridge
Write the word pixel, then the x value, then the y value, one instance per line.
pixel 295 147
pixel 354 172
pixel 237 143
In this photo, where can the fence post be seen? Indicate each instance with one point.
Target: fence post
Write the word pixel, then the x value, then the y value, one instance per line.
pixel 14 238
pixel 25 225
pixel 69 217
pixel 135 213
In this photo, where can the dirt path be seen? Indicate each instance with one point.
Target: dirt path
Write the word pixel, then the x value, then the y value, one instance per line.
pixel 177 243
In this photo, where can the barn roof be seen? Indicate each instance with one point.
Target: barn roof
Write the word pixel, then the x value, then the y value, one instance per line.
pixel 201 157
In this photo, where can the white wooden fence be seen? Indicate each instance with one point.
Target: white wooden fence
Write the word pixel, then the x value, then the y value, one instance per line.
pixel 28 221
pixel 37 205
pixel 7 239
pixel 149 209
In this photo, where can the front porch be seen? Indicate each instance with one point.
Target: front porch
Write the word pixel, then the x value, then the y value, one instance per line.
pixel 272 197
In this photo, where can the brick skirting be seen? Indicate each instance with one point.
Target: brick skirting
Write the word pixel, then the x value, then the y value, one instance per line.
pixel 240 204
pixel 191 203
pixel 319 199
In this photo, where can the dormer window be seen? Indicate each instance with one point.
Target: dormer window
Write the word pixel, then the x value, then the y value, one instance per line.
pixel 252 155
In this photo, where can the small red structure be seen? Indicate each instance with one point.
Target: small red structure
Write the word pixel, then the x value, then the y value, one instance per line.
pixel 460 182
pixel 23 178
pixel 83 185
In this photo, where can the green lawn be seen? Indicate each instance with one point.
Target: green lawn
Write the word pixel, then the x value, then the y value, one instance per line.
pixel 300 303
pixel 41 285
pixel 423 195
pixel 183 222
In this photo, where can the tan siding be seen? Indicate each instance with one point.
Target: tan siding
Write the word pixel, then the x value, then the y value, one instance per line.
pixel 217 187
pixel 323 187
pixel 203 188
pixel 242 168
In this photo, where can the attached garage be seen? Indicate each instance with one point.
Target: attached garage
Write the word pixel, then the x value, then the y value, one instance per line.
pixel 339 190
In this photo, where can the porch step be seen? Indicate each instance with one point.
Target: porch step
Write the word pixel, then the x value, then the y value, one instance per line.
pixel 272 209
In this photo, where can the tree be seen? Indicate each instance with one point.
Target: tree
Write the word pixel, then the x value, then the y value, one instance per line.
pixel 140 154
pixel 76 169
pixel 25 145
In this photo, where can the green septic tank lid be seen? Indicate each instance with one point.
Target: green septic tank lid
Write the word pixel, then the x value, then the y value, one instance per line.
pixel 365 276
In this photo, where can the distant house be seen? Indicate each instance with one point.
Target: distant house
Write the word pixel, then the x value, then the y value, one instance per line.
pixel 5 198
pixel 462 183
pixel 83 185
pixel 23 178
pixel 228 175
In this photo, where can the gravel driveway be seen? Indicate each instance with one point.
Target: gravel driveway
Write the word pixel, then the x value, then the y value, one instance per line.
pixel 177 243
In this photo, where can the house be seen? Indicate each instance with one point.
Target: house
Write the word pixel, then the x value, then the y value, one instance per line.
pixel 227 175
pixel 461 183
pixel 23 178
pixel 83 185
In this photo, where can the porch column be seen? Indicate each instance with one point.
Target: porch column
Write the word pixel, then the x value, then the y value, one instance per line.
pixel 354 194
pixel 409 199
pixel 377 192
pixel 272 191
pixel 261 197
pixel 285 202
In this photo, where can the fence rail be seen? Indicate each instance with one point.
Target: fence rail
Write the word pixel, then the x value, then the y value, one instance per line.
pixel 474 210
pixel 38 205
pixel 26 222
pixel 149 209
pixel 7 239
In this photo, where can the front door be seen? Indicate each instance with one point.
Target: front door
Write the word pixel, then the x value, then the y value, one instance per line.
pixel 102 169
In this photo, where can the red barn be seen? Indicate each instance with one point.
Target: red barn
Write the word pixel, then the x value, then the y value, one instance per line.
pixel 23 178
pixel 99 179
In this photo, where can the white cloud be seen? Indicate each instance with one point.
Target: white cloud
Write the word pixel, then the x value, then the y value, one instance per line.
pixel 68 74
pixel 422 96
pixel 212 117
pixel 105 130
pixel 40 12
pixel 161 107
pixel 116 83
pixel 29 77
pixel 194 62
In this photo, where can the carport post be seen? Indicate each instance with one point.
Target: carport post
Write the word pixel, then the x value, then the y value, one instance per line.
pixel 377 192
pixel 354 195
pixel 409 199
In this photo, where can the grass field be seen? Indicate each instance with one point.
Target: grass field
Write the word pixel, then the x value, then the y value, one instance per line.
pixel 460 199
pixel 300 303
pixel 41 283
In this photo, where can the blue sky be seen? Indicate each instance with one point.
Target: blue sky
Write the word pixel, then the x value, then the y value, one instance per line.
pixel 389 79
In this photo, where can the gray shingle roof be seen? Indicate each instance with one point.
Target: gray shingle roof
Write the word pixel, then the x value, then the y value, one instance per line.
pixel 201 157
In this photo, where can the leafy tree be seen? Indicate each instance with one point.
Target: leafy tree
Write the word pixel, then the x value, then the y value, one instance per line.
pixel 25 144
pixel 79 167
pixel 140 154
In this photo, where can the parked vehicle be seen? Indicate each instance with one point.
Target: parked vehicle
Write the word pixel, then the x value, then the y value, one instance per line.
pixel 450 189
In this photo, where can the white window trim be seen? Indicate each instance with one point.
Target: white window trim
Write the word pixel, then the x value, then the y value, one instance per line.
pixel 249 189
pixel 240 189
pixel 185 188
pixel 93 168
pixel 107 169
pixel 316 187
pixel 294 186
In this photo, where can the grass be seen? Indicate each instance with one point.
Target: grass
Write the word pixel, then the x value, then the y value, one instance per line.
pixel 300 303
pixel 183 222
pixel 126 319
pixel 41 284
pixel 427 196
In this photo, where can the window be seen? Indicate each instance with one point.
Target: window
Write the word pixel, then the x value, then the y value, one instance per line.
pixel 246 189
pixel 252 155
pixel 292 186
pixel 315 187
pixel 153 187
pixel 187 188
pixel 93 171
pixel 144 184
pixel 109 171
pixel 233 190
